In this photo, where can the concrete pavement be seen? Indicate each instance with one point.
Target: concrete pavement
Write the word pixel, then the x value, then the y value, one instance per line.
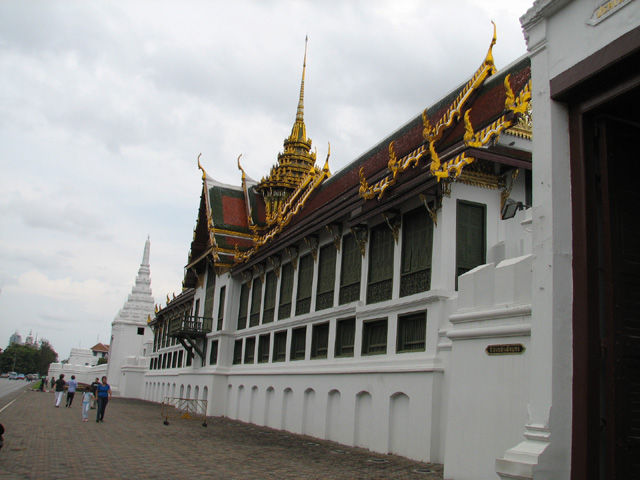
pixel 44 442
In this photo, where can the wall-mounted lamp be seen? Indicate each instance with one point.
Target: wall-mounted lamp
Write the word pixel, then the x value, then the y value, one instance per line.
pixel 511 207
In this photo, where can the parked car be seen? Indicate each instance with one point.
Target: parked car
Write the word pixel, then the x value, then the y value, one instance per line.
pixel 13 376
pixel 4 375
pixel 20 376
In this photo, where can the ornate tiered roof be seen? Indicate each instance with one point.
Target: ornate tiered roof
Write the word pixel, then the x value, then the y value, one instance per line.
pixel 454 140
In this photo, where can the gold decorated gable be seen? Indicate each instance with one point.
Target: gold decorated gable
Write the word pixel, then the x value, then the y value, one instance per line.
pixel 515 120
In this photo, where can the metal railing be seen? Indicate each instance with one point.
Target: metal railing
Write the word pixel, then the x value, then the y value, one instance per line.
pixel 185 408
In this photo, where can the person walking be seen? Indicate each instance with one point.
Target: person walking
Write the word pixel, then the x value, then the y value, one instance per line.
pixel 60 383
pixel 94 390
pixel 104 394
pixel 71 390
pixel 87 399
pixel 43 381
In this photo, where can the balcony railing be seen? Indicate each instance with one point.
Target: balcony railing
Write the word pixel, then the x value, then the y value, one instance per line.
pixel 190 325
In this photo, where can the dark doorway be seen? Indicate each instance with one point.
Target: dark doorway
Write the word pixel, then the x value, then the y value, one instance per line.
pixel 607 291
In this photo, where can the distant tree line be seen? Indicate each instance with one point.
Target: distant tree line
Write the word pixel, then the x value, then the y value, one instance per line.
pixel 28 358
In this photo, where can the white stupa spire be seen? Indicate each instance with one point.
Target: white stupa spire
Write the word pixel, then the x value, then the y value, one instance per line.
pixel 140 303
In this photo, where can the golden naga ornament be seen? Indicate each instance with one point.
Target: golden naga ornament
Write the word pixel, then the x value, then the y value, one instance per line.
pixel 432 133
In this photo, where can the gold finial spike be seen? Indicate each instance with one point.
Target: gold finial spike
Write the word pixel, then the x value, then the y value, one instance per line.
pixel 240 167
pixel 489 58
pixel 300 112
pixel 204 174
pixel 326 162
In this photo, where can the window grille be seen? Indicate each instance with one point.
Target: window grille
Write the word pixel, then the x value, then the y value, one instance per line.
pixel 305 283
pixel 417 243
pixel 269 298
pixel 374 337
pixel 345 337
pixel 320 340
pixel 223 292
pixel 242 309
pixel 209 292
pixel 470 237
pixel 351 271
pixel 263 348
pixel 380 283
pixel 298 343
pixel 412 330
pixel 326 277
pixel 237 352
pixel 249 350
pixel 213 354
pixel 280 346
pixel 286 291
pixel 256 300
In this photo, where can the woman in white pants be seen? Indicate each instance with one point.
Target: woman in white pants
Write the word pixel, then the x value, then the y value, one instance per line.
pixel 60 383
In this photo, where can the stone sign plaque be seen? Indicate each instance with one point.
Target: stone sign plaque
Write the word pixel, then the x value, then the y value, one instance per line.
pixel 508 349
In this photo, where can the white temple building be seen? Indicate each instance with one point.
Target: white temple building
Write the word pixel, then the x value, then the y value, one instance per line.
pixel 130 335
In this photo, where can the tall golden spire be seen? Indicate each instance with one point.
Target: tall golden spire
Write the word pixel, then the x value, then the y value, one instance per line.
pixel 294 163
pixel 300 112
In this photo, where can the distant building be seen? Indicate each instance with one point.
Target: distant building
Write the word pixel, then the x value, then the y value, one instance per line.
pixel 100 350
pixel 16 339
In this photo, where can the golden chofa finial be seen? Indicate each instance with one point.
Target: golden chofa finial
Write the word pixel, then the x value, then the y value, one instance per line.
pixel 326 162
pixel 240 167
pixel 204 174
pixel 489 58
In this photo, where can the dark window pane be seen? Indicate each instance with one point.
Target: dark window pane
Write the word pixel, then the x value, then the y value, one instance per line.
pixel 412 331
pixel 213 354
pixel 470 237
pixel 242 309
pixel 237 352
pixel 351 271
pixel 380 283
pixel 305 281
pixel 374 337
pixel 209 292
pixel 320 341
pixel 256 299
pixel 417 242
pixel 326 277
pixel 298 343
pixel 286 291
pixel 280 346
pixel 263 349
pixel 345 337
pixel 223 292
pixel 269 298
pixel 249 350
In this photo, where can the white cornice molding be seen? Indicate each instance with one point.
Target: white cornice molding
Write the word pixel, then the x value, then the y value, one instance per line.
pixel 517 330
pixel 540 10
pixel 494 313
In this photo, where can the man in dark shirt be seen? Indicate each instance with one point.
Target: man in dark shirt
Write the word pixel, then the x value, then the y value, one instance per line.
pixel 60 383
pixel 94 390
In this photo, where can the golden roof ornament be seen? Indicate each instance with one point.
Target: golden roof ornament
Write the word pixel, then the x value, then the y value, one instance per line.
pixel 294 163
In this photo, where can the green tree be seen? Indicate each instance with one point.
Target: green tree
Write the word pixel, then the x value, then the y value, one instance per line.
pixel 47 356
pixel 28 358
pixel 19 358
pixel 102 361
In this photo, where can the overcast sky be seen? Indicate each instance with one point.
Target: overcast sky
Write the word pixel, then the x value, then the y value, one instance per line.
pixel 105 106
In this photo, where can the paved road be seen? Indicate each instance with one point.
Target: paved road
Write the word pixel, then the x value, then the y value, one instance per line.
pixel 9 386
pixel 44 442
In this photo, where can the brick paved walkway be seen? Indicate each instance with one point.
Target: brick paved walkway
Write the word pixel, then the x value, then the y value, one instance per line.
pixel 44 442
